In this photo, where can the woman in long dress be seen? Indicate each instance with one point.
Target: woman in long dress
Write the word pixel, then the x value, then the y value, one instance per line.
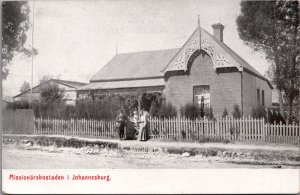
pixel 142 127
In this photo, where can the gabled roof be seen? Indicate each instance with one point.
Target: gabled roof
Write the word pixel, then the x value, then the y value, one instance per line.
pixel 145 64
pixel 151 64
pixel 238 58
pixel 72 84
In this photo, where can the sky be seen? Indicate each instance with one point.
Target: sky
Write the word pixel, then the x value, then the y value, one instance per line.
pixel 75 39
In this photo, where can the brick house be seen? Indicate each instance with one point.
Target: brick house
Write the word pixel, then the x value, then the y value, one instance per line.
pixel 69 88
pixel 213 76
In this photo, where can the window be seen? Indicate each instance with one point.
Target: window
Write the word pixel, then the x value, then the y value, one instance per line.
pixel 201 95
pixel 263 97
pixel 258 97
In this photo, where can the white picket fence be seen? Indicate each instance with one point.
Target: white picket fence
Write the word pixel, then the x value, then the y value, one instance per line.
pixel 229 129
pixel 75 127
pixel 243 129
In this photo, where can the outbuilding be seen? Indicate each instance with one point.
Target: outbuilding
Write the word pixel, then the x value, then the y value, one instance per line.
pixel 69 88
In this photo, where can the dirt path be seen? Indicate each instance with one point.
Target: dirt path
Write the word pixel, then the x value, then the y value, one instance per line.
pixel 178 144
pixel 16 157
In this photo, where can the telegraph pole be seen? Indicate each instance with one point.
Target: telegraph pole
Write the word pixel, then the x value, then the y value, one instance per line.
pixel 32 54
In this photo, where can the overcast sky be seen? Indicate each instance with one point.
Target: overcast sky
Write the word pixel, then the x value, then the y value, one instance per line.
pixel 76 38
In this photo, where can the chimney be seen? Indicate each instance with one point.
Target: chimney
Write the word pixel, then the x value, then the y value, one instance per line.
pixel 218 31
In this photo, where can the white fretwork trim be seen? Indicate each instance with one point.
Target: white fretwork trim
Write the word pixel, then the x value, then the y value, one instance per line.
pixel 207 44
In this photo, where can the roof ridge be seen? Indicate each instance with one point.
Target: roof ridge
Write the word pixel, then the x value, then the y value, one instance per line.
pixel 66 81
pixel 148 51
pixel 57 80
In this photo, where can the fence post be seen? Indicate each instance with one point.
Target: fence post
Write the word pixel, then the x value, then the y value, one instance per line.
pixel 263 129
pixel 40 126
pixel 34 125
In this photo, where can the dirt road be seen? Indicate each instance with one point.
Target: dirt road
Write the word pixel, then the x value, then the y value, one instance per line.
pixel 16 157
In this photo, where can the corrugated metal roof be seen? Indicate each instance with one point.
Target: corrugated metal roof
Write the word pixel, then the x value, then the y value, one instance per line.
pixel 124 84
pixel 72 84
pixel 149 64
pixel 136 65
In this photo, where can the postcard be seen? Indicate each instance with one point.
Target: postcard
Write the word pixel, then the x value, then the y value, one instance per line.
pixel 149 96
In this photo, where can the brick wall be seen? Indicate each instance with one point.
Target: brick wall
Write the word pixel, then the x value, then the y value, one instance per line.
pixel 250 85
pixel 225 86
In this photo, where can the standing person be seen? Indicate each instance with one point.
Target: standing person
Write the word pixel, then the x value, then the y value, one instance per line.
pixel 135 120
pixel 143 130
pixel 121 124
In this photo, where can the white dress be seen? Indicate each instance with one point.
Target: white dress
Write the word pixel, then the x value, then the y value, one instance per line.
pixel 142 128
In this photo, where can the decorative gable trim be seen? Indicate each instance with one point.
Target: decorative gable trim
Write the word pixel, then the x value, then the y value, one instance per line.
pixel 220 58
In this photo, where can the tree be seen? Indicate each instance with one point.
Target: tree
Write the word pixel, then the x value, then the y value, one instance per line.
pixel 45 78
pixel 51 92
pixel 258 112
pixel 15 24
pixel 25 86
pixel 273 28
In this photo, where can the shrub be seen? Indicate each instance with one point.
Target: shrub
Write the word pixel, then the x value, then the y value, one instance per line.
pixel 258 112
pixel 104 107
pixel 148 98
pixel 18 105
pixel 270 117
pixel 280 118
pixel 167 110
pixel 154 109
pixel 225 113
pixel 277 117
pixel 98 109
pixel 208 113
pixel 236 111
pixel 190 110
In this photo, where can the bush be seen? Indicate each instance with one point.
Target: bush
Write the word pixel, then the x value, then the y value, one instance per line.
pixel 104 107
pixel 236 111
pixel 225 113
pixel 277 117
pixel 190 110
pixel 167 110
pixel 258 112
pixel 154 108
pixel 148 98
pixel 18 105
pixel 270 117
pixel 98 109
pixel 280 118
pixel 193 111
pixel 208 113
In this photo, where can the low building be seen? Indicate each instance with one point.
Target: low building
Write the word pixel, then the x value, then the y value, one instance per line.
pixel 204 71
pixel 69 88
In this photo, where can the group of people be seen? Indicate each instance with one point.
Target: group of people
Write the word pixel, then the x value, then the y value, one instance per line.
pixel 139 121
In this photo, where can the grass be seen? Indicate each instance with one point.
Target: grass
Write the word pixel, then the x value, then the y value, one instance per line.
pixel 60 142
